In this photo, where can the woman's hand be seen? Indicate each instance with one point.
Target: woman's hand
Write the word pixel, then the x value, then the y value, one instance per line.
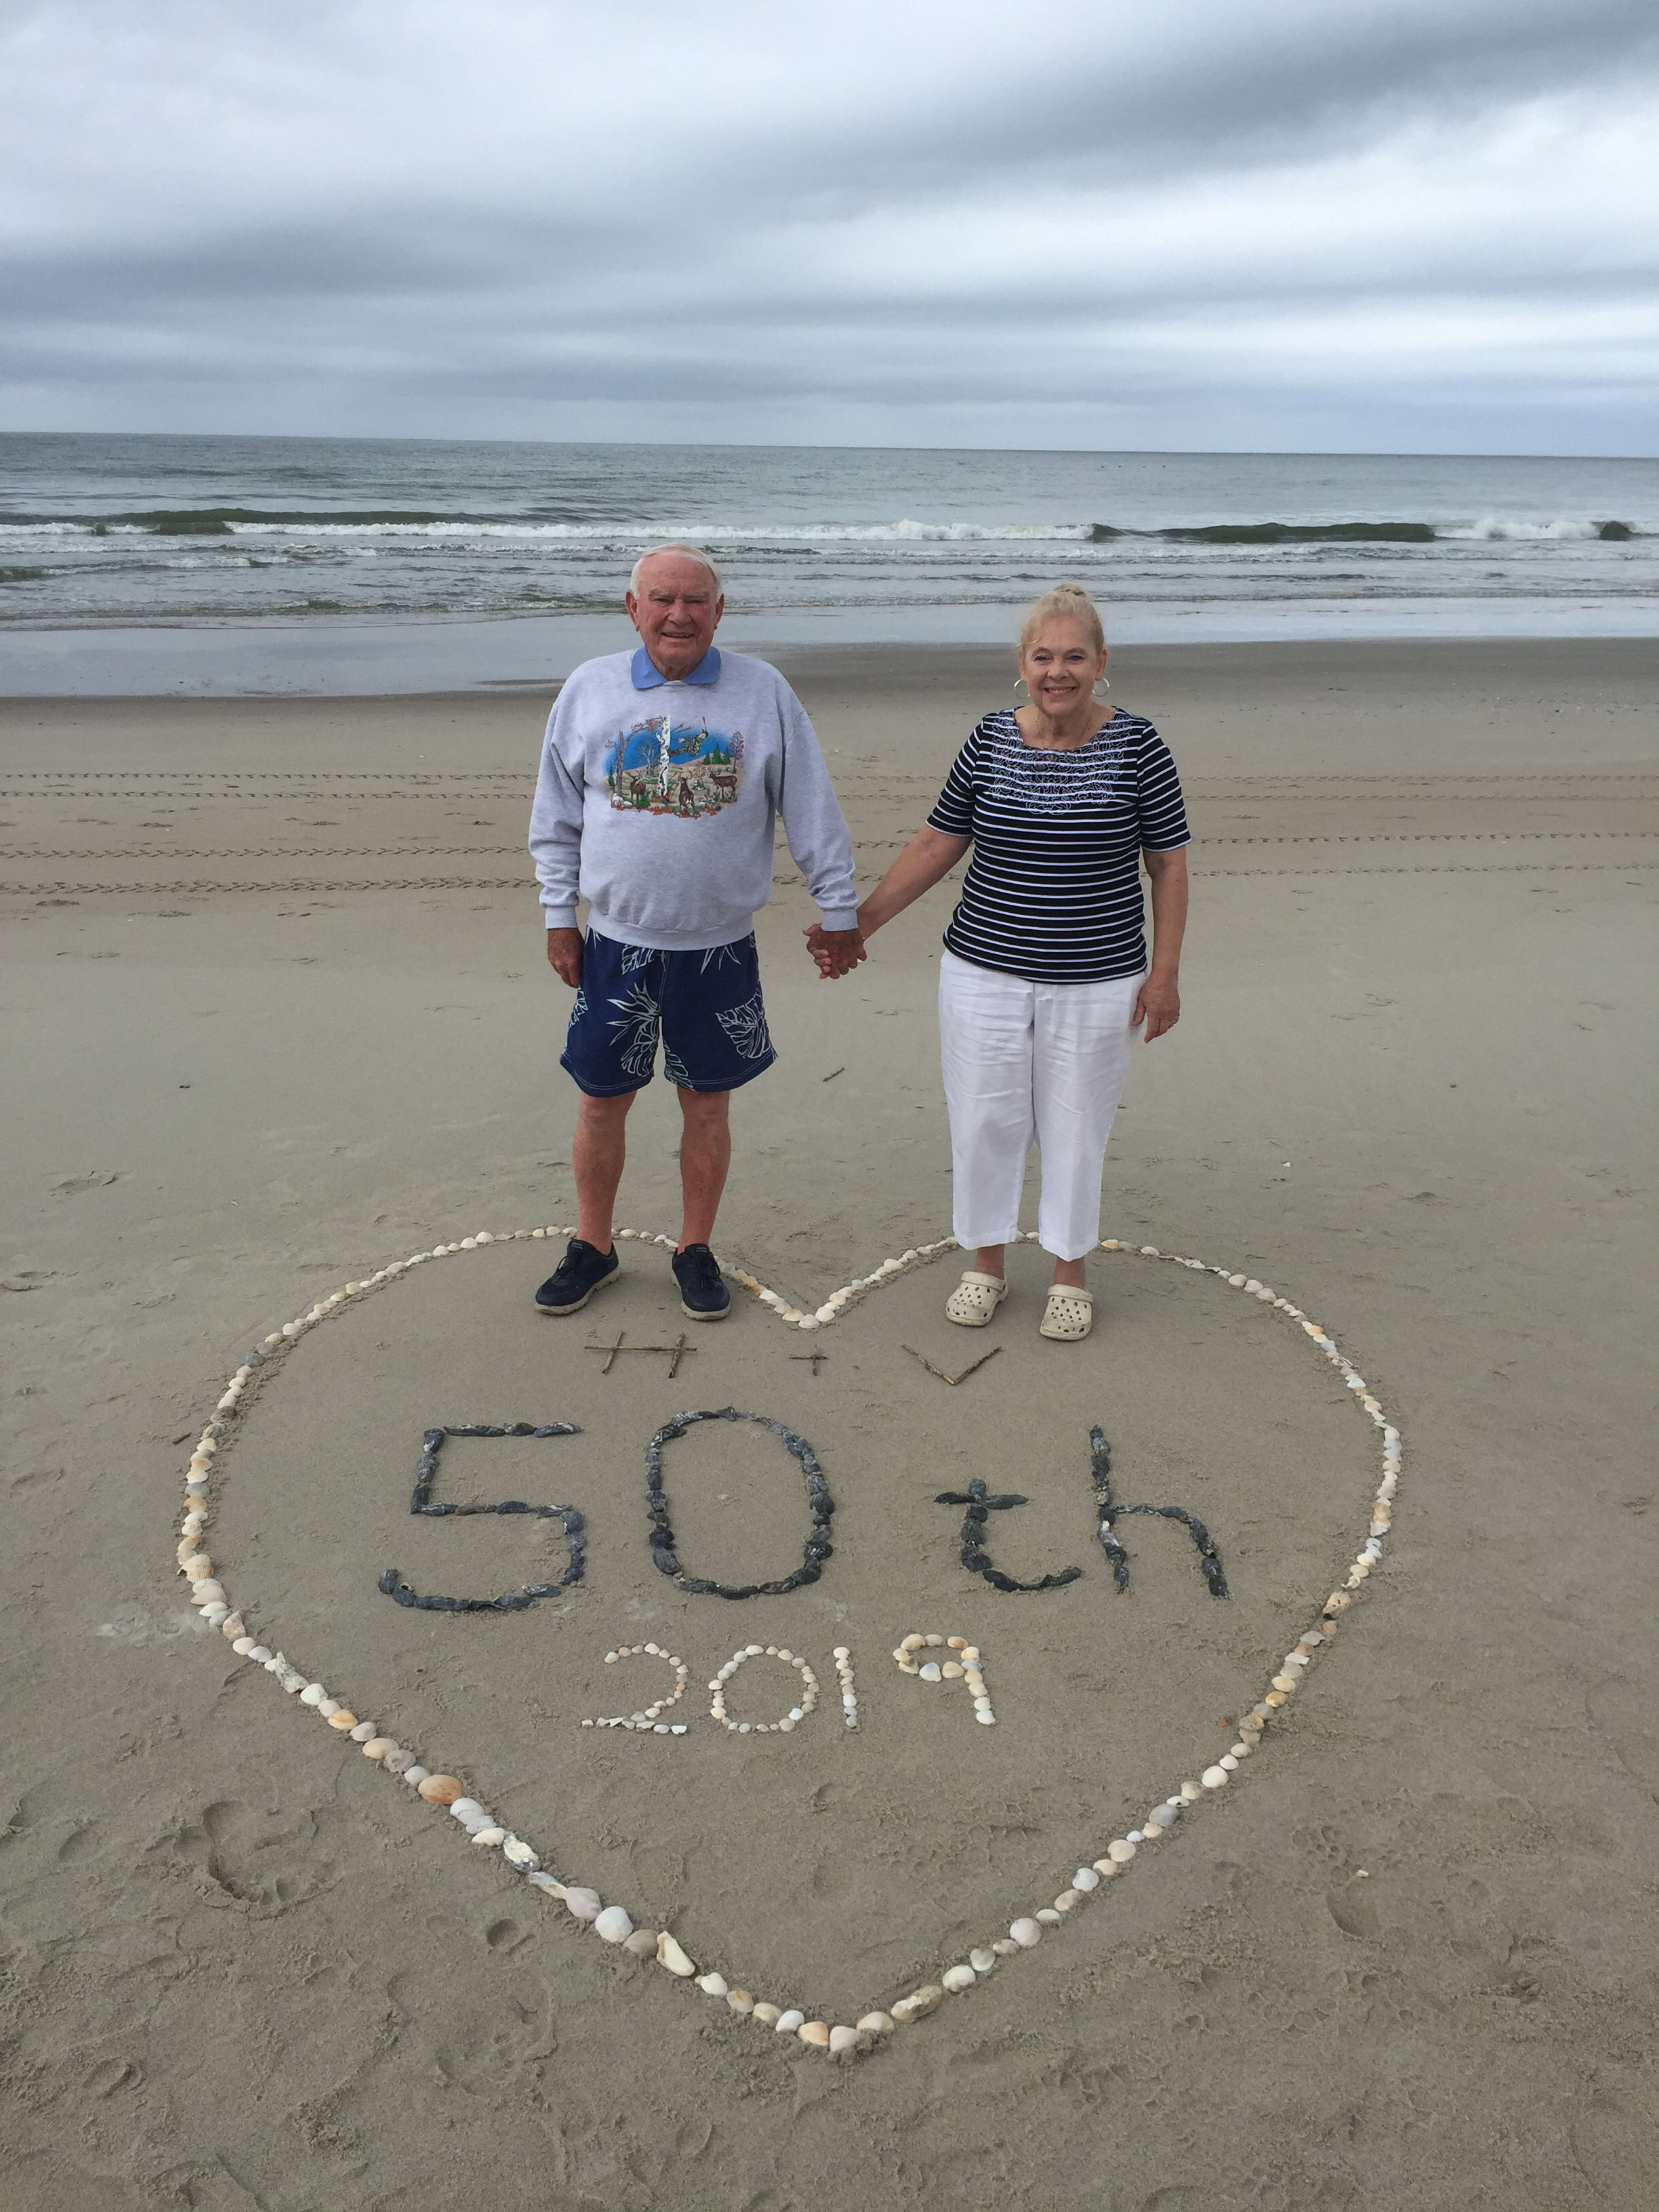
pixel 1158 1006
pixel 1159 1003
pixel 837 951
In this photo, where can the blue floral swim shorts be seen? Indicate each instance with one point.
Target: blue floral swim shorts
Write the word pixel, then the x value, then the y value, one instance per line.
pixel 704 1006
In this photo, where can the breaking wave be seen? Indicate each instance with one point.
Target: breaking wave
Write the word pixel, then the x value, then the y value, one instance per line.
pixel 399 522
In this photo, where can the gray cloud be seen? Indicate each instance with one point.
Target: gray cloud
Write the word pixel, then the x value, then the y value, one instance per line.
pixel 1391 221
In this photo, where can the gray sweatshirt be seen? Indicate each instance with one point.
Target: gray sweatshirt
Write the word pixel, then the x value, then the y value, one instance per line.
pixel 656 802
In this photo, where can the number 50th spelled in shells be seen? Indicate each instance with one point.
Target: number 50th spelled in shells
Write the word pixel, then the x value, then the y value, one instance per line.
pixel 933 1650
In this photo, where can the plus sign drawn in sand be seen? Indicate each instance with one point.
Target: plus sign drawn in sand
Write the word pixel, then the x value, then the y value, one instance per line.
pixel 1182 1512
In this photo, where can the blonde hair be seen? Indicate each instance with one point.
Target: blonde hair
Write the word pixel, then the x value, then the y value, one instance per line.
pixel 1073 602
pixel 686 553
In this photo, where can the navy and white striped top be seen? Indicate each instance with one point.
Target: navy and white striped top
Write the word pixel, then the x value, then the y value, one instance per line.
pixel 1053 891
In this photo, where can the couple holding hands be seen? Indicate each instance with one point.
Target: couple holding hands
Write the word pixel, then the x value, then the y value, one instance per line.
pixel 662 775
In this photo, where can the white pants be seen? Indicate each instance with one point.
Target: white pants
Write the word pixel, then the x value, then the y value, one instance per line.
pixel 1025 1060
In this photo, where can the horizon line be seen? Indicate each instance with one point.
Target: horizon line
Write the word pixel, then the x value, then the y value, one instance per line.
pixel 781 445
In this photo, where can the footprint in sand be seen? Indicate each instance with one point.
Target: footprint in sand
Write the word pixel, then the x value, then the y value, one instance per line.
pixel 270 1860
pixel 1348 1895
pixel 94 1179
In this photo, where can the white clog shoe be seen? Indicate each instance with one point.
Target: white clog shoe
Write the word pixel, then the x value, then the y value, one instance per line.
pixel 1069 1314
pixel 975 1299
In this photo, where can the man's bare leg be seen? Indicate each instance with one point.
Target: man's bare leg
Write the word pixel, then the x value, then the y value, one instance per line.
pixel 705 1156
pixel 596 1153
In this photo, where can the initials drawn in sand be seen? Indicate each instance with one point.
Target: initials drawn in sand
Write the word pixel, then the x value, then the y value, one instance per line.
pixel 935 1660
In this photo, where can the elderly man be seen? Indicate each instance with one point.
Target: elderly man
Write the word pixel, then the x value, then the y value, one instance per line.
pixel 663 774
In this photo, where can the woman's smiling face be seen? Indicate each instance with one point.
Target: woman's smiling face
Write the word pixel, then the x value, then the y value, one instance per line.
pixel 1061 666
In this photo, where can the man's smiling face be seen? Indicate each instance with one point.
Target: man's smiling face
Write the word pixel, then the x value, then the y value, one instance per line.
pixel 676 610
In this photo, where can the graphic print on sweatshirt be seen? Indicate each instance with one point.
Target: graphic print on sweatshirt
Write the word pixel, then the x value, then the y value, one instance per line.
pixel 664 767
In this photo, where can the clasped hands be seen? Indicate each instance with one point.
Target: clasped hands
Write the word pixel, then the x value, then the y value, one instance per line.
pixel 837 951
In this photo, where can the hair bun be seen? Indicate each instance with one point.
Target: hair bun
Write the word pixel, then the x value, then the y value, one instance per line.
pixel 1070 602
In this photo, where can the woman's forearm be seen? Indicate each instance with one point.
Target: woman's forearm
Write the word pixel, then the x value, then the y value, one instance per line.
pixel 1167 873
pixel 926 860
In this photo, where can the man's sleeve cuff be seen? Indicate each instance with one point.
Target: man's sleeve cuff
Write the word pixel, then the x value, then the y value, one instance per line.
pixel 846 917
pixel 560 917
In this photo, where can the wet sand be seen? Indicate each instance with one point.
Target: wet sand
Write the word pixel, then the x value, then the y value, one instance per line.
pixel 278 1013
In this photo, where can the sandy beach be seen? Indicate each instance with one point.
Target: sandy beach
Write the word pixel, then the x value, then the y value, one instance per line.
pixel 278 1014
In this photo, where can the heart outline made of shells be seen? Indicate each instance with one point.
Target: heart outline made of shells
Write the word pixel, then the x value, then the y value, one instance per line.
pixel 612 1923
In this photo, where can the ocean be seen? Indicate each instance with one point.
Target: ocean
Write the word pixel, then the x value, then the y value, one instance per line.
pixel 224 565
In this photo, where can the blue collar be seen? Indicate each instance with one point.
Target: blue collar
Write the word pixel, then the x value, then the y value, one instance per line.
pixel 648 677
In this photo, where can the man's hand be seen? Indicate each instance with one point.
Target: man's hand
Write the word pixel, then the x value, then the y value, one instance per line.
pixel 564 956
pixel 837 951
pixel 1158 1006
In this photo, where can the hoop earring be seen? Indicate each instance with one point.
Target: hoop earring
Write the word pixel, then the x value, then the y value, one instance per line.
pixel 1020 685
pixel 1102 684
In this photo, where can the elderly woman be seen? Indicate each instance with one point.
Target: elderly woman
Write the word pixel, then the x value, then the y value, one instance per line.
pixel 1045 978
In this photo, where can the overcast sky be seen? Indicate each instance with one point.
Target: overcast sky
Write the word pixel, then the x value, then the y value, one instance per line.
pixel 1365 225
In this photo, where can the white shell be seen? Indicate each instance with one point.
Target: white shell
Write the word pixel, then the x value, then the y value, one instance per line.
pixel 787 2023
pixel 1026 1933
pixel 714 1985
pixel 843 2038
pixel 612 1925
pixel 957 1978
pixel 1214 1777
pixel 1085 1878
pixel 581 1903
pixel 669 1954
